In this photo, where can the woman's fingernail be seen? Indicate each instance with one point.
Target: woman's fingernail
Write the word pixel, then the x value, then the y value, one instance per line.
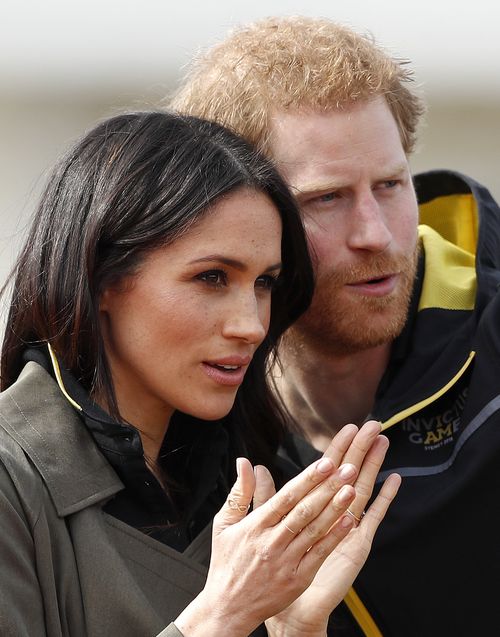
pixel 347 471
pixel 325 465
pixel 238 466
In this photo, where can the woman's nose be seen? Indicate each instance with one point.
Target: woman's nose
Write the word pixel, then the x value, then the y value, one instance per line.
pixel 245 321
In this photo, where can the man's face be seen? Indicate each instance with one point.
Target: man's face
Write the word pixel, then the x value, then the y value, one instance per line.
pixel 351 177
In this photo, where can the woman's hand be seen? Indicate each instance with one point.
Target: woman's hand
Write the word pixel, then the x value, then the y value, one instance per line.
pixel 308 614
pixel 263 561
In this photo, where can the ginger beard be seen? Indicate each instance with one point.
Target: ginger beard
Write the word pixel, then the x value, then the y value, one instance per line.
pixel 342 322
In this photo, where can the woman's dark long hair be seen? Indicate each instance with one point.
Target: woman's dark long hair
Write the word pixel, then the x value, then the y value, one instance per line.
pixel 136 182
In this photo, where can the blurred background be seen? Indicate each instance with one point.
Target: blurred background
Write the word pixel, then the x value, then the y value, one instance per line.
pixel 64 64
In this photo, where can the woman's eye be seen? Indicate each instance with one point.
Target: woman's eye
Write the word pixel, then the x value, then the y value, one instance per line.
pixel 215 278
pixel 266 282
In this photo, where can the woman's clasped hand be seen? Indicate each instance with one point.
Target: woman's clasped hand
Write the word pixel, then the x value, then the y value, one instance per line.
pixel 288 558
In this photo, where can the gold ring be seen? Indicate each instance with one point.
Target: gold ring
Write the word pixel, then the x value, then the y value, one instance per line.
pixel 355 517
pixel 232 504
pixel 287 527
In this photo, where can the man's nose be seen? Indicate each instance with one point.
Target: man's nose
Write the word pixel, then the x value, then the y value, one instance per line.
pixel 368 226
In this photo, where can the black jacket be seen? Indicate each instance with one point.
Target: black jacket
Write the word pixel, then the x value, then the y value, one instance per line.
pixel 435 564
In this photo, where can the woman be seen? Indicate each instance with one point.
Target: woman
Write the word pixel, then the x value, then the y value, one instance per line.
pixel 163 263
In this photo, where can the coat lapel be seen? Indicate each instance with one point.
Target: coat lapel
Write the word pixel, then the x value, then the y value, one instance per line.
pixel 52 436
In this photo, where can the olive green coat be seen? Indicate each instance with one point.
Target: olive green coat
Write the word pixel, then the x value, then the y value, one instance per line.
pixel 66 567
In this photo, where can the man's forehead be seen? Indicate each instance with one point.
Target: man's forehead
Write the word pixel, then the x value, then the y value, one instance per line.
pixel 296 123
pixel 289 129
pixel 317 149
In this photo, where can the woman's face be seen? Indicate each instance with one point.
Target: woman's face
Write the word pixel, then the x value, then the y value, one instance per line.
pixel 180 333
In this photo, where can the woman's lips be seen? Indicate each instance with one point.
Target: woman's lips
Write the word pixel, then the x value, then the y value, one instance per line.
pixel 380 286
pixel 229 370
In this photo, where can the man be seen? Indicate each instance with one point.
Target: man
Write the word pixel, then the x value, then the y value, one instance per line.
pixel 404 325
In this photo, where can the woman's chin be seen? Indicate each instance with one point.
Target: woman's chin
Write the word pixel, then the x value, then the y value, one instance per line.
pixel 212 412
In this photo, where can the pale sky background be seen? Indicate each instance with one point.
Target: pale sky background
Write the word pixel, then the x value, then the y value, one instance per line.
pixel 110 44
pixel 65 64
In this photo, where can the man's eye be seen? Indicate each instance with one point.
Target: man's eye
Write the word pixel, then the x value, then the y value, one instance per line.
pixel 213 277
pixel 329 196
pixel 391 183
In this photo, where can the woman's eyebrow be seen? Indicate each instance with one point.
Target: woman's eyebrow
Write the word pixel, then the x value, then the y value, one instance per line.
pixel 234 263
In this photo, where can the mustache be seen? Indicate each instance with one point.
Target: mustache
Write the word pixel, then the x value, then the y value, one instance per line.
pixel 374 267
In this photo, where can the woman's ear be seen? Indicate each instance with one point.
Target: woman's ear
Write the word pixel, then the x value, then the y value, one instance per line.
pixel 104 313
pixel 113 290
pixel 104 300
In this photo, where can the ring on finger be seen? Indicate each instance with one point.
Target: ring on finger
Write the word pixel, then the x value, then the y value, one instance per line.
pixel 288 528
pixel 354 516
pixel 233 504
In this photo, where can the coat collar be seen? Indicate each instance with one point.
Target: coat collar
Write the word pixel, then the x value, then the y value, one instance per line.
pixel 35 413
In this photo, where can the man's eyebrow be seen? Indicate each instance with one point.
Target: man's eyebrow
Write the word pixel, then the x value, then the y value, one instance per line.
pixel 314 187
pixel 394 171
pixel 233 263
pixel 334 184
